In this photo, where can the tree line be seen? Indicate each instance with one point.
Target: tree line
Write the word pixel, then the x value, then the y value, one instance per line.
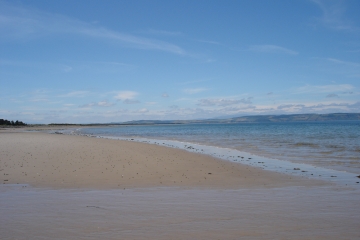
pixel 11 123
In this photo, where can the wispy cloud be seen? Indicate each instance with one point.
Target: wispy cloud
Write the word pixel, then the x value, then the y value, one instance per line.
pixel 352 64
pixel 324 88
pixel 319 108
pixel 150 103
pixel 75 94
pixel 194 90
pixel 223 102
pixel 133 41
pixel 332 95
pixel 105 104
pixel 126 95
pixel 290 106
pixel 209 42
pixel 20 22
pixel 67 68
pixel 174 106
pixel 347 69
pixel 30 64
pixel 272 49
pixel 98 104
pixel 333 15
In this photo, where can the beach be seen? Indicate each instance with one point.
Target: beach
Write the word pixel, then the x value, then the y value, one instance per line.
pixel 57 186
pixel 63 161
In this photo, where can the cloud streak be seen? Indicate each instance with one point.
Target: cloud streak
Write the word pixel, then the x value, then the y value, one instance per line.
pixel 223 102
pixel 348 69
pixel 194 90
pixel 351 64
pixel 324 89
pixel 332 95
pixel 126 95
pixel 75 94
pixel 320 108
pixel 19 22
pixel 97 104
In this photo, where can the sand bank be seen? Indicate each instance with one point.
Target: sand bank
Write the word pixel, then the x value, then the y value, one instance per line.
pixel 63 161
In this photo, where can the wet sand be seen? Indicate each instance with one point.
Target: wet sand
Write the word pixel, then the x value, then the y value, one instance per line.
pixel 177 213
pixel 73 187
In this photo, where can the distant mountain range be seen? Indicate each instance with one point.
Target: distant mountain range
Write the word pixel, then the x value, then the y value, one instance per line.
pixel 244 119
pixel 259 119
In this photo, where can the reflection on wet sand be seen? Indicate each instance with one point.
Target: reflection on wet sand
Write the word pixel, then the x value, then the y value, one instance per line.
pixel 176 213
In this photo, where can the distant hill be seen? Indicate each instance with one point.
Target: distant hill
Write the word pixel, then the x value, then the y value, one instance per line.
pixel 259 119
pixel 299 118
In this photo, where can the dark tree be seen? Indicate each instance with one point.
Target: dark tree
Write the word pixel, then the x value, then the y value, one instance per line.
pixel 11 123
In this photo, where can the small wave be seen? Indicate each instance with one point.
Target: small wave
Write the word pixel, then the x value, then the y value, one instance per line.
pixel 306 144
pixel 337 147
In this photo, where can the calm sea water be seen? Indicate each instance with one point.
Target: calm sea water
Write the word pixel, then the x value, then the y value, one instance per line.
pixel 334 145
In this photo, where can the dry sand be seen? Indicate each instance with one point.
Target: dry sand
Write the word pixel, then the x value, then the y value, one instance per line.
pixel 63 161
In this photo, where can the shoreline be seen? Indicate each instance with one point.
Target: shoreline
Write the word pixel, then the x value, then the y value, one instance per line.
pixel 344 178
pixel 333 147
pixel 62 161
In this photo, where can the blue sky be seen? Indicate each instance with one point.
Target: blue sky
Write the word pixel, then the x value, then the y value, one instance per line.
pixel 112 61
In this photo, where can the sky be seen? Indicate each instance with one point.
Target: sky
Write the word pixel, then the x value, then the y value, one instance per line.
pixel 101 61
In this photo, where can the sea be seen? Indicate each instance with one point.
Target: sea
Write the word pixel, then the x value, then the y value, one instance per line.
pixel 320 149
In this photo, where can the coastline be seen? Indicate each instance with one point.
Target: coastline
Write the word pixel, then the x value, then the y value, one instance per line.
pixel 330 146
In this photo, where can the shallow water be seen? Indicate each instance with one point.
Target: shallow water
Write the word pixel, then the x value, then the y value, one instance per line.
pixel 176 213
pixel 334 145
